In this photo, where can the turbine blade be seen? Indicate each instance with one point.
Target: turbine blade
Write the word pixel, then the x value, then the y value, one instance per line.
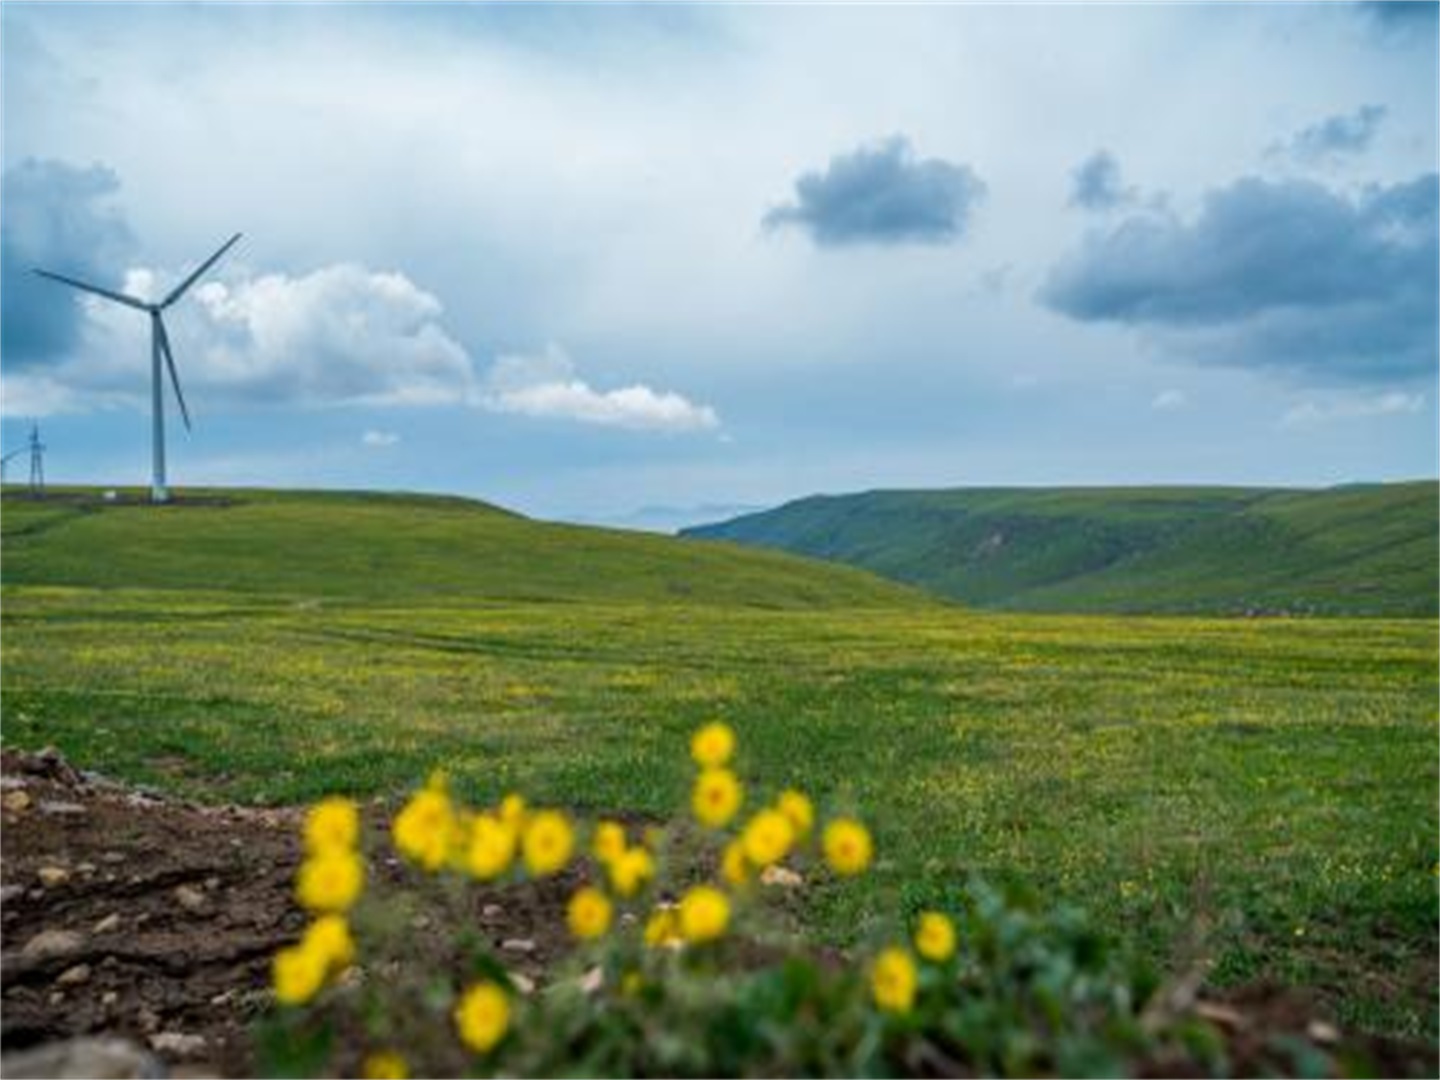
pixel 119 298
pixel 179 290
pixel 174 375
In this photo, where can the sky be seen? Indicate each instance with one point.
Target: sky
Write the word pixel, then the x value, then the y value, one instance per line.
pixel 655 264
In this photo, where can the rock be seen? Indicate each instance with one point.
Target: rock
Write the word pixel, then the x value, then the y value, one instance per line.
pixel 1321 1032
pixel 781 876
pixel 211 884
pixel 74 976
pixel 190 898
pixel 51 876
pixel 110 997
pixel 98 1058
pixel 57 997
pixel 11 892
pixel 85 868
pixel 62 809
pixel 491 912
pixel 52 943
pixel 112 857
pixel 177 1043
pixel 523 983
pixel 16 801
pixel 592 981
pixel 520 945
pixel 109 924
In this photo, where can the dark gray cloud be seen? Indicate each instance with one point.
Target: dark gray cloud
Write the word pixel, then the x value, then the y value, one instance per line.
pixel 1402 19
pixel 882 194
pixel 1286 275
pixel 1096 184
pixel 1334 137
pixel 60 217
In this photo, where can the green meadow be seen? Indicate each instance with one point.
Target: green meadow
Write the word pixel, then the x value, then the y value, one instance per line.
pixel 1258 795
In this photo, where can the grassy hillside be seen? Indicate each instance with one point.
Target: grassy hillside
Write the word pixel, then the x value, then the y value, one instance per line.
pixel 396 548
pixel 1362 550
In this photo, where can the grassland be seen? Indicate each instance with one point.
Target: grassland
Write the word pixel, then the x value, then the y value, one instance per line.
pixel 1355 550
pixel 1260 792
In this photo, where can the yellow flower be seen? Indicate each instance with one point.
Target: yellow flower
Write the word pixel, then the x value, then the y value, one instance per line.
pixel 630 872
pixel 733 867
pixel 328 937
pixel 716 798
pixel 589 913
pixel 847 846
pixel 547 843
pixel 298 973
pixel 330 881
pixel 331 823
pixel 512 810
pixel 935 937
pixel 712 745
pixel 482 1016
pixel 662 928
pixel 385 1065
pixel 609 843
pixel 424 830
pixel 704 914
pixel 892 981
pixel 799 809
pixel 491 848
pixel 767 837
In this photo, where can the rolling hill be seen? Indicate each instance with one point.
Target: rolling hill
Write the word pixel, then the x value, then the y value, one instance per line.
pixel 1361 549
pixel 396 548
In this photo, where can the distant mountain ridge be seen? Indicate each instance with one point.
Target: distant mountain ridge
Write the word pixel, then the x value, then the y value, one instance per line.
pixel 1362 549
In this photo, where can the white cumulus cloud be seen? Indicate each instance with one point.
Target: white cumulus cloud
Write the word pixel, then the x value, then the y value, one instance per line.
pixel 1351 407
pixel 547 386
pixel 379 438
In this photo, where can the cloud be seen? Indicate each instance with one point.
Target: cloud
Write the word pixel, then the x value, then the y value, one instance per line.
pixel 1289 276
pixel 1096 184
pixel 546 386
pixel 882 194
pixel 1167 400
pixel 1402 20
pixel 1334 137
pixel 59 217
pixel 1314 412
pixel 379 438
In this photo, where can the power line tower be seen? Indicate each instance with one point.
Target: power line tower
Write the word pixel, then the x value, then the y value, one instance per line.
pixel 37 462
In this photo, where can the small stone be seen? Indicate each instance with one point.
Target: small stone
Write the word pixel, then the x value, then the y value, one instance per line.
pixel 520 945
pixel 74 976
pixel 17 801
pixel 1321 1032
pixel 85 868
pixel 11 892
pixel 52 876
pixel 112 1058
pixel 628 918
pixel 52 943
pixel 592 981
pixel 781 876
pixel 109 924
pixel 211 884
pixel 420 922
pixel 57 997
pixel 62 808
pixel 189 897
pixel 110 997
pixel 491 912
pixel 112 857
pixel 523 983
pixel 177 1043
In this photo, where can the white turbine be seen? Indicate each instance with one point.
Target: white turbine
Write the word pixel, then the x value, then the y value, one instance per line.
pixel 159 348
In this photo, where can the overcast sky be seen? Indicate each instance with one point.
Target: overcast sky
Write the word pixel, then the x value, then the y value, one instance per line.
pixel 586 261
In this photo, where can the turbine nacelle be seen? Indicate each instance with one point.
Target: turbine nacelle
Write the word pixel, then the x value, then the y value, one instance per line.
pixel 160 352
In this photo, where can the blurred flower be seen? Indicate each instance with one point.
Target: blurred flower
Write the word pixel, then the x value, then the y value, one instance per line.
pixel 609 841
pixel 892 980
pixel 847 846
pixel 799 809
pixel 385 1065
pixel 482 1016
pixel 589 913
pixel 704 914
pixel 712 745
pixel 328 937
pixel 767 837
pixel 330 881
pixel 733 867
pixel 331 823
pixel 298 974
pixel 935 937
pixel 547 842
pixel 631 871
pixel 663 928
pixel 424 829
pixel 716 798
pixel 512 810
pixel 491 848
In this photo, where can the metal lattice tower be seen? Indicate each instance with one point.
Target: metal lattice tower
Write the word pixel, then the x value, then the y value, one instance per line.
pixel 37 462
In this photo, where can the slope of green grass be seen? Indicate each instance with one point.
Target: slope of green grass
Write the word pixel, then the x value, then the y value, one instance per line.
pixel 395 548
pixel 1258 792
pixel 1361 550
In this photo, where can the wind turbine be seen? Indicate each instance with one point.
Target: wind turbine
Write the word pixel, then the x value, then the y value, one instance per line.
pixel 159 347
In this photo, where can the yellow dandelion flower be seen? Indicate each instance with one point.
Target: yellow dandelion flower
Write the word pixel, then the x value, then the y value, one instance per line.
pixel 385 1065
pixel 482 1016
pixel 589 913
pixel 716 798
pixel 704 914
pixel 935 937
pixel 547 842
pixel 512 810
pixel 847 846
pixel 767 837
pixel 892 981
pixel 609 842
pixel 298 973
pixel 733 867
pixel 329 938
pixel 663 928
pixel 712 745
pixel 330 824
pixel 799 809
pixel 632 871
pixel 330 881
pixel 424 831
pixel 491 848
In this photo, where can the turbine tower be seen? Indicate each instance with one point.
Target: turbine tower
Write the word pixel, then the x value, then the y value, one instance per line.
pixel 159 351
